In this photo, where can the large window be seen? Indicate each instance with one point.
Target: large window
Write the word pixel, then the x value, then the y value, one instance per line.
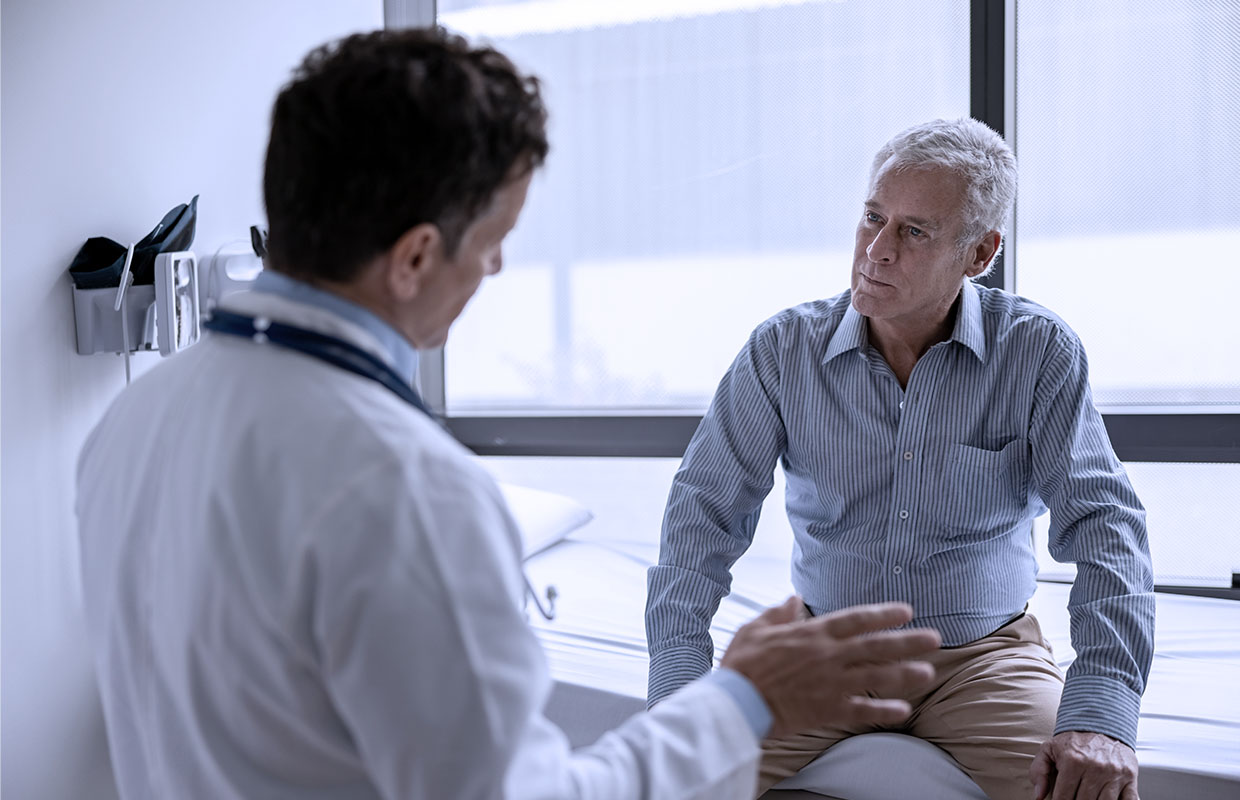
pixel 1128 226
pixel 709 160
pixel 1128 218
pixel 708 165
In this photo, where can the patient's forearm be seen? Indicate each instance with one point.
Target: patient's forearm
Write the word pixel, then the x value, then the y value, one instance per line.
pixel 680 606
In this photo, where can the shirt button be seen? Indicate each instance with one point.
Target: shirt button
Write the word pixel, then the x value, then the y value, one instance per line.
pixel 897 570
pixel 908 455
pixel 903 514
pixel 901 404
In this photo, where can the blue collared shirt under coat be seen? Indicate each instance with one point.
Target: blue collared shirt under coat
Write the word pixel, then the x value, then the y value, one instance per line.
pixel 924 495
pixel 401 354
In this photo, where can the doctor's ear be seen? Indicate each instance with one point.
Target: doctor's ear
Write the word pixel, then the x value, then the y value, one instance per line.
pixel 982 253
pixel 414 258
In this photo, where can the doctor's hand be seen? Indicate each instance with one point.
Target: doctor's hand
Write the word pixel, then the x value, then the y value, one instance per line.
pixel 817 671
pixel 1078 765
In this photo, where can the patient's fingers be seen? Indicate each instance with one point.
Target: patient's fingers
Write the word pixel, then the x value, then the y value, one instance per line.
pixel 1066 783
pixel 865 619
pixel 1041 771
pixel 1109 791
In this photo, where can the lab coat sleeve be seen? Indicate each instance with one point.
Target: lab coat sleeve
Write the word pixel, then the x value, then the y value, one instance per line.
pixel 438 678
pixel 696 745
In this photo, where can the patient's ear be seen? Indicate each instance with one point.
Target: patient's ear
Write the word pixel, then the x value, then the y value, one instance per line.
pixel 415 257
pixel 982 253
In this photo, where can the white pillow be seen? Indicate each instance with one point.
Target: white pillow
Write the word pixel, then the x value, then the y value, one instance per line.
pixel 544 518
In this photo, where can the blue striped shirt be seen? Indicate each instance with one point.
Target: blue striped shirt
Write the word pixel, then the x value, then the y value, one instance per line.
pixel 924 494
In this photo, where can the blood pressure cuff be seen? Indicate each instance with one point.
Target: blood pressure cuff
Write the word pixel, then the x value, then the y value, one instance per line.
pixel 99 263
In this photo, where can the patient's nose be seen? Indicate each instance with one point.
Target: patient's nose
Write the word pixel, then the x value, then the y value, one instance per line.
pixel 882 248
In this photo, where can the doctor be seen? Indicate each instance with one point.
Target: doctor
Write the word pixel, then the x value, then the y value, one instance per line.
pixel 299 586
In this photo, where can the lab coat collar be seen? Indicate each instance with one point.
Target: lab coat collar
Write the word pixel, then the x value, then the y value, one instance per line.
pixel 255 303
pixel 393 348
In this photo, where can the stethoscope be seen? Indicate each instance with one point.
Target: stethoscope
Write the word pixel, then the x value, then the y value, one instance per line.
pixel 346 356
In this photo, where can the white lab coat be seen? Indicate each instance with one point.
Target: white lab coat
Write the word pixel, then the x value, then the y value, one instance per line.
pixel 298 586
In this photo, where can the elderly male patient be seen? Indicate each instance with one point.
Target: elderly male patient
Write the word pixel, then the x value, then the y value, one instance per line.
pixel 923 422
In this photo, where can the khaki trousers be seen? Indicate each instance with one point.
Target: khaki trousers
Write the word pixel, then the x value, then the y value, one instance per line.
pixel 990 707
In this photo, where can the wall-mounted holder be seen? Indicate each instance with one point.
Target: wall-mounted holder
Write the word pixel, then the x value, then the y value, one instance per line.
pixel 99 322
pixel 233 268
pixel 176 301
pixel 127 319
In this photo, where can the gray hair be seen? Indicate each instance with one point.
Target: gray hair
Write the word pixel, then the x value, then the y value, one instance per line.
pixel 971 150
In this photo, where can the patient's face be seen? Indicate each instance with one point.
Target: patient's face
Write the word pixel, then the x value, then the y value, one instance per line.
pixel 907 267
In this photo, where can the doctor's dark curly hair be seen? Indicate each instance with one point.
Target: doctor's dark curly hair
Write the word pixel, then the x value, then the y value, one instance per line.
pixel 379 132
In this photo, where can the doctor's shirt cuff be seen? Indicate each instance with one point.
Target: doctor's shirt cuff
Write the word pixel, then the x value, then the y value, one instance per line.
pixel 746 695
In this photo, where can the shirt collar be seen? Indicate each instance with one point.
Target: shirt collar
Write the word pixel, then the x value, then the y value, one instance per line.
pixel 968 330
pixel 404 357
pixel 852 334
pixel 853 331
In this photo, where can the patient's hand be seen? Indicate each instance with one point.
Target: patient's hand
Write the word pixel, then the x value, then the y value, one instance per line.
pixel 1082 765
pixel 815 672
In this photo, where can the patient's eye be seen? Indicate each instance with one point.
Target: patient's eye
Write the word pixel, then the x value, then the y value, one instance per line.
pixel 870 216
pixel 916 232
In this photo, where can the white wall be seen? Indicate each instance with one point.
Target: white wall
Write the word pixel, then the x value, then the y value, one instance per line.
pixel 112 113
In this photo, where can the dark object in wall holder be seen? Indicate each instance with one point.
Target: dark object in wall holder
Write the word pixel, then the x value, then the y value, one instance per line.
pixel 258 241
pixel 99 262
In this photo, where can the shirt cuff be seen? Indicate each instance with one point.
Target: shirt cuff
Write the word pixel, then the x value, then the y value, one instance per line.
pixel 1098 704
pixel 746 695
pixel 673 668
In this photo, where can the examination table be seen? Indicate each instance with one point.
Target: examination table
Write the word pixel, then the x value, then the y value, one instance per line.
pixel 1188 739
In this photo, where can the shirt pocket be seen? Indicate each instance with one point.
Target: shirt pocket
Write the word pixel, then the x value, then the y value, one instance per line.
pixel 983 492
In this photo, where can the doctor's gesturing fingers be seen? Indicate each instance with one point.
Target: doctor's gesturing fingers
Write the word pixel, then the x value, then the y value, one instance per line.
pixel 821 670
